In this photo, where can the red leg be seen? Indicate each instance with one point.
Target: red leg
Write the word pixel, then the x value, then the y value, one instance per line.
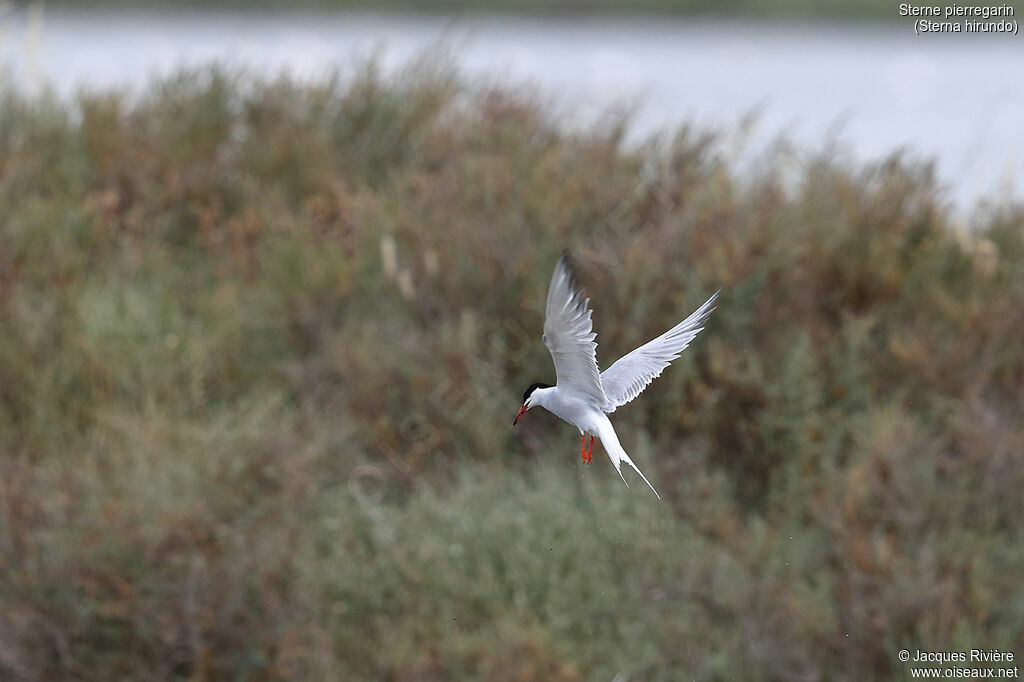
pixel 583 453
pixel 590 450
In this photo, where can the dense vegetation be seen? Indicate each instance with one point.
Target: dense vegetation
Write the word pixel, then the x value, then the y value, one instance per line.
pixel 261 345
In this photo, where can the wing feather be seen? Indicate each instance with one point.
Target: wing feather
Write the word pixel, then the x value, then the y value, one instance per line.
pixel 569 336
pixel 633 372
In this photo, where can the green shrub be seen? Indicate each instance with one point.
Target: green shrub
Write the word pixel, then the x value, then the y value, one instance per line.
pixel 261 344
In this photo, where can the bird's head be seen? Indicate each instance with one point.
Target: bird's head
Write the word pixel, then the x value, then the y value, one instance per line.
pixel 528 400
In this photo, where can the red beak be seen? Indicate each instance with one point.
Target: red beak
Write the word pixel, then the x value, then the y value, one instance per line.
pixel 522 411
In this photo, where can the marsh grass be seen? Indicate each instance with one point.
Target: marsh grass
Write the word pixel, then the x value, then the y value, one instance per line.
pixel 261 343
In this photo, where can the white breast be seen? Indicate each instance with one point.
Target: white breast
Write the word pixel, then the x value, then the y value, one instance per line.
pixel 569 407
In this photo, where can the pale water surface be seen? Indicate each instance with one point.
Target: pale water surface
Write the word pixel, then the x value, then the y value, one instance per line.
pixel 957 99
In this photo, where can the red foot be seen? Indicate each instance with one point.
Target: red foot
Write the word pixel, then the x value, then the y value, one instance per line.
pixel 585 452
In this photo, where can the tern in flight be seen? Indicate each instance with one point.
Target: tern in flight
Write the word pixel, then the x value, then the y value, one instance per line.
pixel 584 396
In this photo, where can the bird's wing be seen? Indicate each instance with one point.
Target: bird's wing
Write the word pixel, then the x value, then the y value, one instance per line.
pixel 632 373
pixel 569 337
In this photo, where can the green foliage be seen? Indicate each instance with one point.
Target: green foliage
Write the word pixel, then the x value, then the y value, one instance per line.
pixel 261 344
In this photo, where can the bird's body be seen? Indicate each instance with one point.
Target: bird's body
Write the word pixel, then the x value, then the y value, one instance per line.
pixel 584 396
pixel 569 407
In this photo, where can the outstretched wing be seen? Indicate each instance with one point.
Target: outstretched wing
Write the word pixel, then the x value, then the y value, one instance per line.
pixel 632 373
pixel 568 335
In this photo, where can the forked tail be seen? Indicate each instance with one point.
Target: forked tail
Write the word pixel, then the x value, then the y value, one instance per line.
pixel 610 441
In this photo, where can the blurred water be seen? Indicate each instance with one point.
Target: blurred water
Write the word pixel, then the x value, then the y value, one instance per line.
pixel 871 88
